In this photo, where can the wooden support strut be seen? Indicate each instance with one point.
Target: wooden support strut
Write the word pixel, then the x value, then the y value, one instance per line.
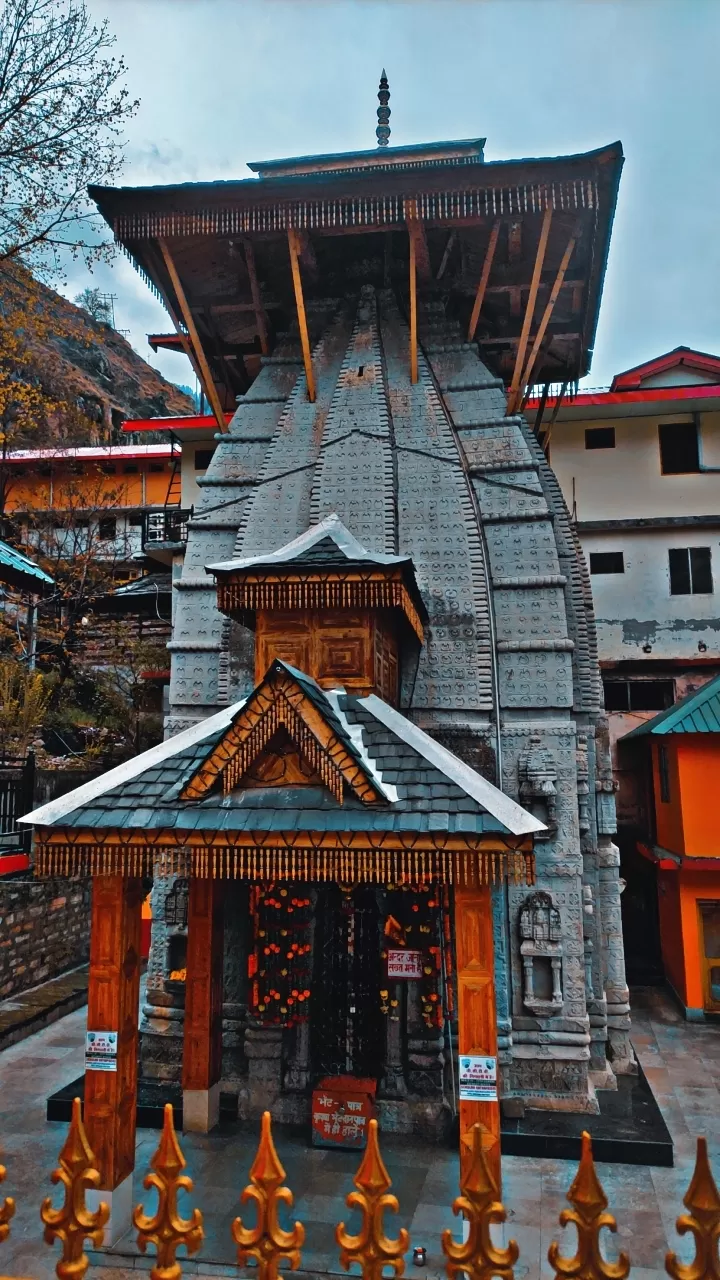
pixel 206 377
pixel 477 1025
pixel 484 277
pixel 113 993
pixel 529 310
pixel 202 1042
pixel 550 307
pixel 257 297
pixel 302 317
pixel 413 311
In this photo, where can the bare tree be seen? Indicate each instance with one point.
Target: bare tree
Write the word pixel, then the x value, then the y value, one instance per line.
pixel 63 103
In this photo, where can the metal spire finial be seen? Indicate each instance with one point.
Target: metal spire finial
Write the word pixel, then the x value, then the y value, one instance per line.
pixel 382 132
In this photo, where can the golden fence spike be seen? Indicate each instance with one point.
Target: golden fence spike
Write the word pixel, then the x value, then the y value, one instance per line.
pixel 267 1242
pixel 370 1248
pixel 73 1223
pixel 589 1217
pixel 703 1220
pixel 165 1228
pixel 7 1209
pixel 477 1257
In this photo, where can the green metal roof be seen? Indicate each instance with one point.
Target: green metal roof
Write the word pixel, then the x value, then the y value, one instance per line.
pixel 697 712
pixel 17 571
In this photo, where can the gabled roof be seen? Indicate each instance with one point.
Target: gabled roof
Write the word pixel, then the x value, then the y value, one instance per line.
pixel 697 712
pixel 700 361
pixel 427 788
pixel 17 571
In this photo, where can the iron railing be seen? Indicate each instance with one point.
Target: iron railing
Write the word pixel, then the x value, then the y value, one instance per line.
pixel 267 1244
pixel 17 785
pixel 170 525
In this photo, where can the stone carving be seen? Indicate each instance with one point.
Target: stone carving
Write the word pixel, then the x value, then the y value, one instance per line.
pixel 538 791
pixel 541 951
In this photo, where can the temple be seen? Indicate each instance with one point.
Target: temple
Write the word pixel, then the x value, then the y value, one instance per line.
pixel 380 828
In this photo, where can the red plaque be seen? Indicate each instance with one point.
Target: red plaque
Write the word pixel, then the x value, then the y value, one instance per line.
pixel 342 1108
pixel 404 964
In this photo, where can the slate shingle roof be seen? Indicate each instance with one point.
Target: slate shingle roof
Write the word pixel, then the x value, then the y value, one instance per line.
pixel 423 797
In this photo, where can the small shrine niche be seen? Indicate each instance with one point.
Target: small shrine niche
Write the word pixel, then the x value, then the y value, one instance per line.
pixel 538 789
pixel 541 952
pixel 328 606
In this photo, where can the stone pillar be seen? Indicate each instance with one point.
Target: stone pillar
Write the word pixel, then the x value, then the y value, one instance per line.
pixel 235 981
pixel 617 994
pixel 477 1030
pixel 393 1081
pixel 113 997
pixel 202 1048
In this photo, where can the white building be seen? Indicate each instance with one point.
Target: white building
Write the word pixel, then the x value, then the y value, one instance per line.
pixel 639 466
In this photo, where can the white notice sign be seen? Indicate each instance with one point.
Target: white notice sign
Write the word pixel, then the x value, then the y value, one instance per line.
pixel 404 964
pixel 101 1050
pixel 478 1079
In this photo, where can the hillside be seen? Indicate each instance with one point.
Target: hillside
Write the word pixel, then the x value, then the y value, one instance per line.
pixel 88 370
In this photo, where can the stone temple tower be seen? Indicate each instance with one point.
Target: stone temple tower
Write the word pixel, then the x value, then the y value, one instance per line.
pixel 366 326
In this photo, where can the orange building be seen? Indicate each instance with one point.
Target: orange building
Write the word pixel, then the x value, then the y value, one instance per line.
pixel 684 759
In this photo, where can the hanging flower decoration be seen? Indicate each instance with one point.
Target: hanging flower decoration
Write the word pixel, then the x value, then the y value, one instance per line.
pixel 280 965
pixel 413 923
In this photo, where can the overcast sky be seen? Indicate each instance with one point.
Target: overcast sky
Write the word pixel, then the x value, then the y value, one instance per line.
pixel 227 81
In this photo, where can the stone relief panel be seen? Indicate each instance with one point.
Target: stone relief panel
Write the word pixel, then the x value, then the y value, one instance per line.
pixel 542 953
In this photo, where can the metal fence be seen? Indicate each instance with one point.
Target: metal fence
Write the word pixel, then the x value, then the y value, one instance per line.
pixel 267 1244
pixel 17 785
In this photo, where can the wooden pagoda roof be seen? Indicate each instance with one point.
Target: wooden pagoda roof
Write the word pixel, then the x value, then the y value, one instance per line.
pixel 224 246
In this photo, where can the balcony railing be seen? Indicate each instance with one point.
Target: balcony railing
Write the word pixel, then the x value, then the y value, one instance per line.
pixel 167 526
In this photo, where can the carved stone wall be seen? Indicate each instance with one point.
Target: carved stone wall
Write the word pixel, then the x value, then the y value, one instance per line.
pixel 450 480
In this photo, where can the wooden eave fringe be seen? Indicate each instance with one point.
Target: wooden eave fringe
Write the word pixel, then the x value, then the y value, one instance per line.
pixel 281 702
pixel 343 858
pixel 386 211
pixel 248 593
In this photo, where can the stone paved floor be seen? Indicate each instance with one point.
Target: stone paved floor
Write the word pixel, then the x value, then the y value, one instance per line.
pixel 682 1062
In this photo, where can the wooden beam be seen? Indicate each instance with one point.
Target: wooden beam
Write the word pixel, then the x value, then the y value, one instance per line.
pixel 416 231
pixel 529 310
pixel 202 1031
pixel 184 340
pixel 477 1025
pixel 446 255
pixel 302 317
pixel 257 297
pixel 484 277
pixel 413 312
pixel 206 378
pixel 113 992
pixel 550 306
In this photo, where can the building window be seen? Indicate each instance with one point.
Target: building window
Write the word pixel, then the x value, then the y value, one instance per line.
pixel 107 469
pixel 203 458
pixel 607 562
pixel 135 520
pixel 107 528
pixel 600 438
pixel 690 571
pixel 679 448
pixel 638 695
pixel 131 469
pixel 156 466
pixel 664 773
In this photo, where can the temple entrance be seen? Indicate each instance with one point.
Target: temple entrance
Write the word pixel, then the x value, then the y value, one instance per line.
pixel 347 1032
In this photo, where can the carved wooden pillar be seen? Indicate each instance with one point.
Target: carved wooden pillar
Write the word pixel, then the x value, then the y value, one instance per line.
pixel 202 1048
pixel 113 997
pixel 477 1026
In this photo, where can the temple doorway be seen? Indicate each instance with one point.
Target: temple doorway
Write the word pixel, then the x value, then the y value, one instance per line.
pixel 347 1029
